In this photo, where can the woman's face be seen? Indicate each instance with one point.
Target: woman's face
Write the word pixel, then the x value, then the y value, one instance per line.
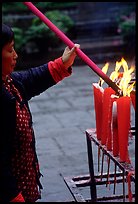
pixel 9 57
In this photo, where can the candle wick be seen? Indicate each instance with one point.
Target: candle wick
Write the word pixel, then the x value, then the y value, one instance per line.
pixel 100 83
pixel 120 93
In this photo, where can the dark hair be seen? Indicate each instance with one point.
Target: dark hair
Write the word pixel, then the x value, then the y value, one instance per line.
pixel 7 35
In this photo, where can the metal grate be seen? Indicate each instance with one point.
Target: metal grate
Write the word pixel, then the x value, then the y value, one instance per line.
pixel 101 180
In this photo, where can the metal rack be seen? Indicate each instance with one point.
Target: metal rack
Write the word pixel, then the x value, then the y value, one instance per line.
pixel 93 180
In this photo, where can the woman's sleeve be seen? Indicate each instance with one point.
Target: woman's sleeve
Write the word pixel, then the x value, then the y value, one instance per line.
pixel 36 80
pixel 58 70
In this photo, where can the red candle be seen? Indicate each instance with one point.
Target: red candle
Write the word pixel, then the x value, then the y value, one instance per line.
pixel 98 97
pixel 133 99
pixel 123 116
pixel 115 127
pixel 106 118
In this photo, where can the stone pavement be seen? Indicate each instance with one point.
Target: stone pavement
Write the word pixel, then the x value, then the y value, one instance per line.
pixel 61 115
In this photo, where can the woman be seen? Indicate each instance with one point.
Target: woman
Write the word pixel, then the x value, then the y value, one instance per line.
pixel 20 174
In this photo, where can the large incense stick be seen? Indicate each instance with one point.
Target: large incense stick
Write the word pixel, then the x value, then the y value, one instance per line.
pixel 70 44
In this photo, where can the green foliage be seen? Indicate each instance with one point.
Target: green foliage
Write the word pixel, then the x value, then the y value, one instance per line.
pixel 28 32
pixel 18 7
pixel 38 29
pixel 127 22
pixel 20 40
pixel 127 28
pixel 13 7
pixel 54 5
pixel 39 32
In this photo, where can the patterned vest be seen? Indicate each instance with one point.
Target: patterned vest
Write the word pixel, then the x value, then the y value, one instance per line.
pixel 24 160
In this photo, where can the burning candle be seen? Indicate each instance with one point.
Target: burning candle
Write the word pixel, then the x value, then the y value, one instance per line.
pixel 106 137
pixel 115 127
pixel 98 98
pixel 123 116
pixel 133 99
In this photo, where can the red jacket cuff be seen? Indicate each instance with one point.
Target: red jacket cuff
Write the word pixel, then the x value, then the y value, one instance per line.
pixel 58 70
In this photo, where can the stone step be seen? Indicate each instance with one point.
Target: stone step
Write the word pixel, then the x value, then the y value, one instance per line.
pixel 100 58
pixel 105 43
pixel 97 10
pixel 95 28
pixel 99 51
pixel 105 48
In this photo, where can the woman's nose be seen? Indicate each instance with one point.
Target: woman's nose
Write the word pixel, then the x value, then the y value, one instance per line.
pixel 15 55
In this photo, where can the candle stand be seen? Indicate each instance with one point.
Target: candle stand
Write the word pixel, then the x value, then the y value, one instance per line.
pixel 103 181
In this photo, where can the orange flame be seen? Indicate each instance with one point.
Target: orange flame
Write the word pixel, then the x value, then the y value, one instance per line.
pixel 122 79
pixel 104 69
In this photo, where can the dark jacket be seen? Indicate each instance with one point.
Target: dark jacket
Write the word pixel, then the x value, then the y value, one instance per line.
pixel 30 83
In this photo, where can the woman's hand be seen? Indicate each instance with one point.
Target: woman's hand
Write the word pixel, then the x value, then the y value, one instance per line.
pixel 69 55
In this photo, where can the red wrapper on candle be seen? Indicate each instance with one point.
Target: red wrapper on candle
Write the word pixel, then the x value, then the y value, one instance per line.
pixel 133 99
pixel 123 116
pixel 106 118
pixel 98 98
pixel 115 127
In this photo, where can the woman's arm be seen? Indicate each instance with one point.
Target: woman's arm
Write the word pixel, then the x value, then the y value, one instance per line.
pixel 38 79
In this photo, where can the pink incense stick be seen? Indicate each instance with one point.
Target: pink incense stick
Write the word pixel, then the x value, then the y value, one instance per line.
pixel 70 44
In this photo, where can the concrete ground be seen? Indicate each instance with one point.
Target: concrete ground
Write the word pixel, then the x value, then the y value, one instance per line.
pixel 61 115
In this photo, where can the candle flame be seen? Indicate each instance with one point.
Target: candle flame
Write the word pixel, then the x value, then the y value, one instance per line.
pixel 126 78
pixel 121 78
pixel 104 69
pixel 115 74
